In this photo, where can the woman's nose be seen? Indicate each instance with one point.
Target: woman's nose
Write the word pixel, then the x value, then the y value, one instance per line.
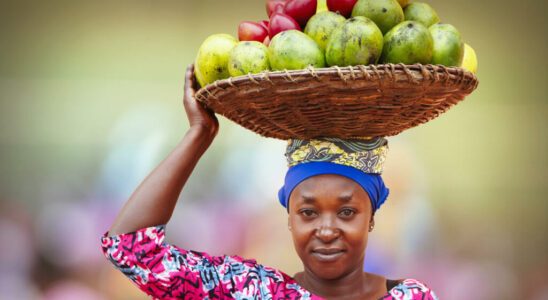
pixel 327 230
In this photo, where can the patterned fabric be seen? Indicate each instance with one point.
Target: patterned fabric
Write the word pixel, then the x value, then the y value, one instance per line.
pixel 164 271
pixel 410 289
pixel 365 155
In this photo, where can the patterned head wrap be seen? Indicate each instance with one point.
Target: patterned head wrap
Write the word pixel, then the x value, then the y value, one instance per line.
pixel 359 160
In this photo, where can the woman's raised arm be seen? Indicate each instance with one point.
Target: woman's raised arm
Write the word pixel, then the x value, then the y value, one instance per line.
pixel 153 201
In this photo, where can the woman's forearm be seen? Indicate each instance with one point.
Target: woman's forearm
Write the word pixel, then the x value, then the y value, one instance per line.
pixel 154 200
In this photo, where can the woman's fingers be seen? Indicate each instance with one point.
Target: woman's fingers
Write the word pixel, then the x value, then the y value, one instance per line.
pixel 190 102
pixel 189 87
pixel 196 112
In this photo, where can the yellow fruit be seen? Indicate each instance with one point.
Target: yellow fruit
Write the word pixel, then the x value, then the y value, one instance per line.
pixel 248 57
pixel 322 6
pixel 212 60
pixel 470 60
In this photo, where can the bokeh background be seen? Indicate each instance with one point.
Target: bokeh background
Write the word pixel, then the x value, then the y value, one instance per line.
pixel 90 95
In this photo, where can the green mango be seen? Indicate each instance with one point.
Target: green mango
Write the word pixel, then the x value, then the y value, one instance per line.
pixel 294 50
pixel 212 60
pixel 409 42
pixel 321 25
pixel 248 57
pixel 448 45
pixel 385 13
pixel 421 12
pixel 357 42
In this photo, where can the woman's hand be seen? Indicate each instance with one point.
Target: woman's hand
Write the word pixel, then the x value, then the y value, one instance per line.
pixel 199 117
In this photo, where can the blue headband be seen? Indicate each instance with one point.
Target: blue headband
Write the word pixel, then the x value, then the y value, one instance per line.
pixel 372 184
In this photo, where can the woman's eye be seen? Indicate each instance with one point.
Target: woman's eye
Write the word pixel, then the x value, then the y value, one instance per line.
pixel 308 213
pixel 347 212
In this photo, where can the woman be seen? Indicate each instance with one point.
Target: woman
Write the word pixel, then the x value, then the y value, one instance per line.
pixel 332 191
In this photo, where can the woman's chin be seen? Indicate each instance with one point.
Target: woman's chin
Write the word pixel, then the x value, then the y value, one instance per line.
pixel 328 272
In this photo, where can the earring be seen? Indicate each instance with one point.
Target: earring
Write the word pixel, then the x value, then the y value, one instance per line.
pixel 370 227
pixel 289 227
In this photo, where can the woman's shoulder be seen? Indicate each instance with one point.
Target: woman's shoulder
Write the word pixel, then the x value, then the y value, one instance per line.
pixel 409 289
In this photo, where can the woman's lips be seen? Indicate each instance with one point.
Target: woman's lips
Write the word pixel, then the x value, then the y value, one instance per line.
pixel 327 254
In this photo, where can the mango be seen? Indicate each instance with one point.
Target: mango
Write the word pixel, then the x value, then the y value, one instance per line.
pixel 409 42
pixel 212 59
pixel 294 50
pixel 470 60
pixel 321 25
pixel 448 45
pixel 357 42
pixel 385 13
pixel 248 57
pixel 421 12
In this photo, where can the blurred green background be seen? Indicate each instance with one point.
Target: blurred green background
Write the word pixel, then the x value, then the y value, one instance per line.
pixel 91 101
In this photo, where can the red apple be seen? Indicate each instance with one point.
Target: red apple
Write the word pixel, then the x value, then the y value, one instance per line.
pixel 272 6
pixel 281 22
pixel 344 7
pixel 249 31
pixel 264 24
pixel 301 10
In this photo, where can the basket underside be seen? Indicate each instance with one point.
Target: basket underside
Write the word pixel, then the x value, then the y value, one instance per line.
pixel 350 102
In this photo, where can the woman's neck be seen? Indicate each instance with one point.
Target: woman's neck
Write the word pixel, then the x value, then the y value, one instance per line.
pixel 354 285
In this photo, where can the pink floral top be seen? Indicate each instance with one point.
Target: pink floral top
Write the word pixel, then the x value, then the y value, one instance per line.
pixel 165 271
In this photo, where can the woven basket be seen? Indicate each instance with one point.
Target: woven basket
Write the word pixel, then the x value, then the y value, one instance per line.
pixel 349 102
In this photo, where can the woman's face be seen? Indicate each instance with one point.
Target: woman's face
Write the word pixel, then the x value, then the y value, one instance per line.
pixel 329 218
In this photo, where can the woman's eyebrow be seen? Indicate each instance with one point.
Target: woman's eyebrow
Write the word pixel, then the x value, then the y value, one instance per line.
pixel 308 199
pixel 311 199
pixel 345 198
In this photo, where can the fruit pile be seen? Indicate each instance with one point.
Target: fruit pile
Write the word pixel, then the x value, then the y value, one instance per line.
pixel 319 33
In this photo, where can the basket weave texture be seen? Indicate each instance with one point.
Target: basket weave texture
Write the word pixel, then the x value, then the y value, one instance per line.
pixel 349 102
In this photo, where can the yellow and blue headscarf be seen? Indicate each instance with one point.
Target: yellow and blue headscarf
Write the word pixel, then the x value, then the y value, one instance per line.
pixel 357 159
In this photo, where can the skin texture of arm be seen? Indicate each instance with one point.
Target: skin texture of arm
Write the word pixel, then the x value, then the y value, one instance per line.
pixel 154 200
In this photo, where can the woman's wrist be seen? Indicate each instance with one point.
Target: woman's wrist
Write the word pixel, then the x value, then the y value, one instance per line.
pixel 202 133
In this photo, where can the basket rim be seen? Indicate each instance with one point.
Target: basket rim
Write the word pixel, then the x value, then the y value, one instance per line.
pixel 342 72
